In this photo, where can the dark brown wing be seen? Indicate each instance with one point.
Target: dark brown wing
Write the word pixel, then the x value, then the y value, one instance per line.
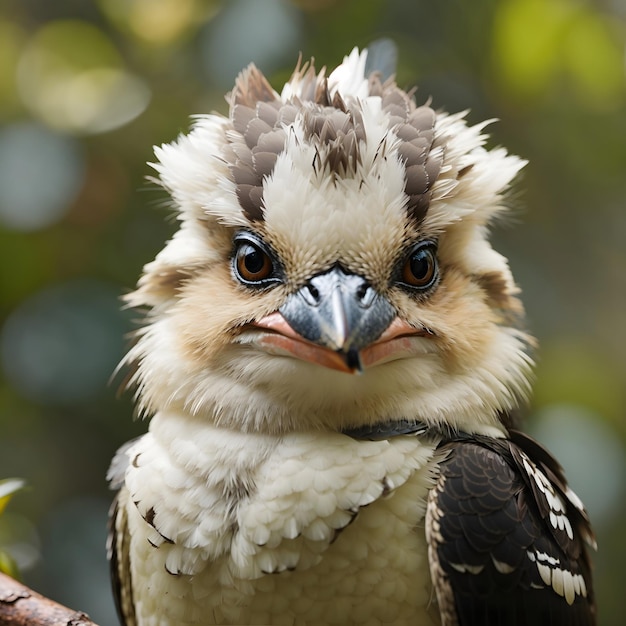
pixel 507 538
pixel 117 553
pixel 118 542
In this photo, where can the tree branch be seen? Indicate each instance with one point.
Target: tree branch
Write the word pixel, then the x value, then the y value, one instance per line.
pixel 21 606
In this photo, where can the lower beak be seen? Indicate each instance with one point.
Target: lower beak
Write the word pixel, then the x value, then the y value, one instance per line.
pixel 339 321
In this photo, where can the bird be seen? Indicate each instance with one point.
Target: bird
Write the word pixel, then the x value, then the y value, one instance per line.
pixel 333 358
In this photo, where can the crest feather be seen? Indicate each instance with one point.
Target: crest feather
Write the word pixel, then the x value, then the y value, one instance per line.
pixel 251 87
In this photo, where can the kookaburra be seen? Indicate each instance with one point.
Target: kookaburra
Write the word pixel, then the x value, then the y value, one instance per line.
pixel 331 359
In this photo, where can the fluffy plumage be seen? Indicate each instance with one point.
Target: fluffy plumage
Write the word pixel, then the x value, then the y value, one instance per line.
pixel 327 319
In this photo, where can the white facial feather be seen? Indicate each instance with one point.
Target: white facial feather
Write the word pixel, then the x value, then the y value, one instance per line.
pixel 316 221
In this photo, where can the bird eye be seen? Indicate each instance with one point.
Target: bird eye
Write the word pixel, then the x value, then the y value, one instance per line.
pixel 252 264
pixel 420 267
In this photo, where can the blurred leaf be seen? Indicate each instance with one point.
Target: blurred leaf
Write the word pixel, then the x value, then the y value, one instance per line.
pixel 8 488
pixel 8 566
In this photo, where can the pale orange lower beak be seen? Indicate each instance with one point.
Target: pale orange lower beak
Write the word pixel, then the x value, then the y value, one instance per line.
pixel 394 342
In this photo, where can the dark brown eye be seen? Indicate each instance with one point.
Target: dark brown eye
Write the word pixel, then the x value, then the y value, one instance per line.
pixel 252 264
pixel 420 267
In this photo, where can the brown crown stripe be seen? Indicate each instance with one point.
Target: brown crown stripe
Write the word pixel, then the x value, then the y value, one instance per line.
pixel 259 119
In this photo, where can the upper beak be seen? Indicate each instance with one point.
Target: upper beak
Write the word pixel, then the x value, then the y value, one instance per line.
pixel 335 320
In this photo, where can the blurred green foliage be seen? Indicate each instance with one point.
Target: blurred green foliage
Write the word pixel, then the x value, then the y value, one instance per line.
pixel 86 88
pixel 8 488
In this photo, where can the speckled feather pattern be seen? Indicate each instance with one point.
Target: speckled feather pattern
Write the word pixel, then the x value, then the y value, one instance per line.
pixel 306 529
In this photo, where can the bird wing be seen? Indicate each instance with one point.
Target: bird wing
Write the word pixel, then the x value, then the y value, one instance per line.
pixel 119 562
pixel 507 537
pixel 118 540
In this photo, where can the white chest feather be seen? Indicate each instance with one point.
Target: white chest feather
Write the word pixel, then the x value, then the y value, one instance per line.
pixel 309 528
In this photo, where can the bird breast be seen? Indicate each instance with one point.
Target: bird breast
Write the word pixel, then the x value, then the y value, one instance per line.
pixel 277 526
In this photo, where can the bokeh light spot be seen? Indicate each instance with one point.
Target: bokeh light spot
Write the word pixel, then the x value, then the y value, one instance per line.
pixel 525 43
pixel 71 76
pixel 61 345
pixel 157 22
pixel 264 31
pixel 40 174
pixel 596 60
pixel 535 41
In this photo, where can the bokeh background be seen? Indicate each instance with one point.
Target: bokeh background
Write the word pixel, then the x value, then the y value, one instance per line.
pixel 88 87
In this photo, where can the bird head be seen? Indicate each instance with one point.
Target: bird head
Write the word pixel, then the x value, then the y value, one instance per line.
pixel 332 267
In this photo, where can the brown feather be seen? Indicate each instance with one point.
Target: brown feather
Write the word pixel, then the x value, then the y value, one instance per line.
pixel 251 87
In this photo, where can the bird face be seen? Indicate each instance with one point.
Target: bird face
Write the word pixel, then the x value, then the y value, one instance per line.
pixel 332 267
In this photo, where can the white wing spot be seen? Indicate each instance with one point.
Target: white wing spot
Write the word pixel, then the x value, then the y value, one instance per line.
pixel 557 581
pixel 558 515
pixel 567 584
pixel 546 573
pixel 464 568
pixel 502 567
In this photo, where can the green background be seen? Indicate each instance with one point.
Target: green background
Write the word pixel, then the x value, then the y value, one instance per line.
pixel 88 87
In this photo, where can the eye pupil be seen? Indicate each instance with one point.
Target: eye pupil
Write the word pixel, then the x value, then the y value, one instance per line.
pixel 252 265
pixel 254 260
pixel 420 267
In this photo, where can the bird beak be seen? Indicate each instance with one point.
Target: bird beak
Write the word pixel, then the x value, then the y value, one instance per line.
pixel 337 320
